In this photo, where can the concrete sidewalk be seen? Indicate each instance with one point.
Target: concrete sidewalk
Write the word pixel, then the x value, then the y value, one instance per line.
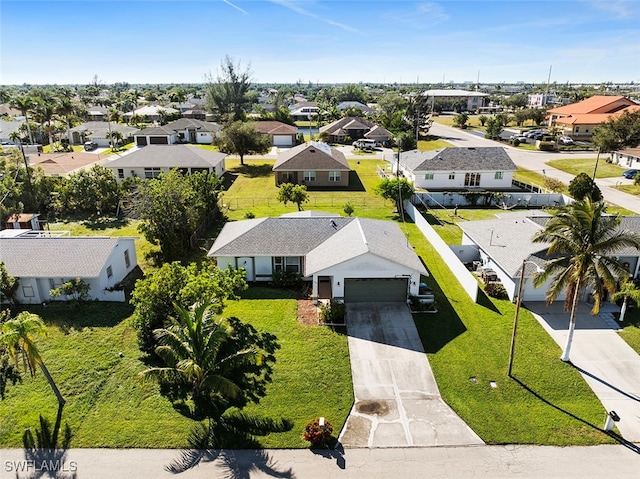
pixel 397 400
pixel 607 363
pixel 494 462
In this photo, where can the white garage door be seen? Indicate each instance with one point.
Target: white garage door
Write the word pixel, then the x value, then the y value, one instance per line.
pixel 282 140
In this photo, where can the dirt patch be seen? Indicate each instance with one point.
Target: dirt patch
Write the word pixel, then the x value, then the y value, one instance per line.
pixel 372 407
pixel 307 312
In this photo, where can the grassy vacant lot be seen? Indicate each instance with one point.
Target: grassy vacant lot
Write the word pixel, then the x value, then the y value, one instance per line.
pixel 576 166
pixel 108 405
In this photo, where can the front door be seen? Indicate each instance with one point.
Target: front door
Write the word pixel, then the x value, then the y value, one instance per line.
pixel 246 262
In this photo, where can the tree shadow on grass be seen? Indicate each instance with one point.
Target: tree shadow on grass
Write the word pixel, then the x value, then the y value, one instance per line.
pixel 254 171
pixel 91 314
pixel 355 184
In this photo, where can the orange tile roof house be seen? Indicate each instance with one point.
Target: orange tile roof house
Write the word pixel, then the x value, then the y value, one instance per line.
pixel 579 119
pixel 312 164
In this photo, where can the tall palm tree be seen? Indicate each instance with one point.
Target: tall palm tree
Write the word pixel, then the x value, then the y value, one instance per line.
pixel 191 347
pixel 45 114
pixel 65 108
pixel 582 243
pixel 25 104
pixel 628 291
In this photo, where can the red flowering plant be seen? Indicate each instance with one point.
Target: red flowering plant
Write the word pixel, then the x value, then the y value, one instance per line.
pixel 316 434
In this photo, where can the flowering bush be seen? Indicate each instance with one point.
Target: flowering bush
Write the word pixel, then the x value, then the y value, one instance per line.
pixel 318 435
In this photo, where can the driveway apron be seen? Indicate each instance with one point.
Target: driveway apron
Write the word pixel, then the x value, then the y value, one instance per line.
pixel 397 401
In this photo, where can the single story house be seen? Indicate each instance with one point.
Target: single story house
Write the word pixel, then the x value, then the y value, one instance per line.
pixel 7 128
pixel 365 109
pixel 354 128
pixel 486 168
pixel 97 113
pixel 345 258
pixel 312 164
pixel 304 110
pixel 280 133
pixel 184 130
pixel 504 242
pixel 152 160
pixel 579 119
pixel 627 158
pixel 473 100
pixel 42 263
pixel 151 112
pixel 98 131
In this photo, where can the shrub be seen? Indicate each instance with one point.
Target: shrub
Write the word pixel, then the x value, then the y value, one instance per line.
pixel 546 146
pixel 348 209
pixel 318 435
pixel 285 279
pixel 249 215
pixel 496 290
pixel 516 142
pixel 333 312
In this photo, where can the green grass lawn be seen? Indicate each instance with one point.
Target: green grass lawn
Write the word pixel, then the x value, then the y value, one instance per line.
pixel 434 144
pixel 109 406
pixel 631 328
pixel 548 402
pixel 576 166
pixel 630 189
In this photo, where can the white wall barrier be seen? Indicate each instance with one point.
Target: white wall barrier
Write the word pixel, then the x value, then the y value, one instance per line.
pixel 459 270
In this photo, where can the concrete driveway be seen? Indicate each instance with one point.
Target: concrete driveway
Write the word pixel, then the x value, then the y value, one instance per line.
pixel 397 401
pixel 607 363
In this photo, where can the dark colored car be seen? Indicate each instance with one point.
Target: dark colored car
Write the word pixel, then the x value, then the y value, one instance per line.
pixel 630 174
pixel 90 145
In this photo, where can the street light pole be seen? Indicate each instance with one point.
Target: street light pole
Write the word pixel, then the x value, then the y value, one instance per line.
pixel 517 313
pixel 595 168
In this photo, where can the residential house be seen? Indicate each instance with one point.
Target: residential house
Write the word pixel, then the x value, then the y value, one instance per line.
pixel 470 100
pixel 627 158
pixel 151 112
pixel 304 110
pixel 504 242
pixel 184 130
pixel 365 109
pixel 7 128
pixel 451 169
pixel 152 160
pixel 353 128
pixel 313 164
pixel 97 113
pixel 42 262
pixel 98 132
pixel 578 120
pixel 281 134
pixel 344 258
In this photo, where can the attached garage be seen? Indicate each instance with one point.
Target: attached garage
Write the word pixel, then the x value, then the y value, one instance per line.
pixel 158 140
pixel 282 140
pixel 141 140
pixel 379 290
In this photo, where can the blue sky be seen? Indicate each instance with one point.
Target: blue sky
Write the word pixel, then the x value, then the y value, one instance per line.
pixel 284 41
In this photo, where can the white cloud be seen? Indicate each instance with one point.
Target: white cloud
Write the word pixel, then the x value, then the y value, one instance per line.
pixel 296 7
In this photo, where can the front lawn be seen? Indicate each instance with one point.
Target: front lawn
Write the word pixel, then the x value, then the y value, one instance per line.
pixel 93 356
pixel 575 166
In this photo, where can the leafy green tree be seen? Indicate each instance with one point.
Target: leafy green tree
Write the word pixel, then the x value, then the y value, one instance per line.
pixel 77 290
pixel 294 193
pixel 628 291
pixel 228 96
pixel 391 107
pixel 406 141
pixel 494 127
pixel 583 243
pixel 350 92
pixel 460 120
pixel 89 191
pixel 583 186
pixel 8 284
pixel 18 337
pixel 395 189
pixel 172 206
pixel 483 119
pixel 240 138
pixel 618 132
pixel 154 296
pixel 519 100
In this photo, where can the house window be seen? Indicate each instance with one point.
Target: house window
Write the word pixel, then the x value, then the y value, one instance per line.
pixel 55 283
pixel 452 176
pixel 472 179
pixel 334 176
pixel 499 175
pixel 577 129
pixel 287 177
pixel 290 264
pixel 120 173
pixel 151 172
pixel 27 288
pixel 309 176
pixel 127 260
pixel 428 176
pixel 109 271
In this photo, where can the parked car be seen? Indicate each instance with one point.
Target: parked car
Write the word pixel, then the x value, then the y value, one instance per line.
pixel 565 140
pixel 520 138
pixel 531 133
pixel 537 136
pixel 630 174
pixel 90 145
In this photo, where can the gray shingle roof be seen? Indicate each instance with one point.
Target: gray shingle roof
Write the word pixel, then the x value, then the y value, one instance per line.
pixel 339 125
pixel 458 159
pixel 191 123
pixel 56 257
pixel 325 241
pixel 169 156
pixel 311 156
pixel 99 129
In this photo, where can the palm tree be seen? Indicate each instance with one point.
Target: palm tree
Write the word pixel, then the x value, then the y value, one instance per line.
pixel 190 347
pixel 116 138
pixel 25 104
pixel 628 291
pixel 17 334
pixel 582 241
pixel 45 113
pixel 66 108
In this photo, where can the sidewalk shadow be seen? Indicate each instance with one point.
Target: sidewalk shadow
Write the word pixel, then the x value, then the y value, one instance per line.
pixel 615 388
pixel 336 452
pixel 239 464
